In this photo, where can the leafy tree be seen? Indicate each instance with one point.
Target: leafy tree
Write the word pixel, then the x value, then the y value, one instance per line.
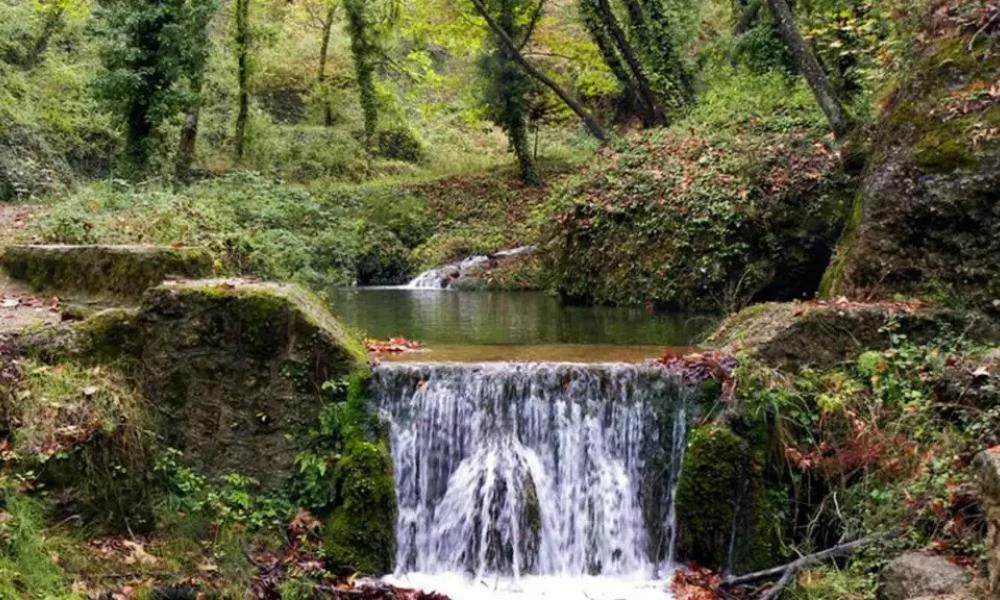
pixel 507 87
pixel 153 50
pixel 497 30
pixel 641 51
pixel 369 23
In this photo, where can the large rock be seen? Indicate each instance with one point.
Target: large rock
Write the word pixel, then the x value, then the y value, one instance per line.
pixel 824 334
pixel 921 574
pixel 236 370
pixel 927 220
pixel 988 471
pixel 93 270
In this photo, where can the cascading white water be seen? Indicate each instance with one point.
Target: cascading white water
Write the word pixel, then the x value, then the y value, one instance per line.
pixel 519 471
pixel 444 277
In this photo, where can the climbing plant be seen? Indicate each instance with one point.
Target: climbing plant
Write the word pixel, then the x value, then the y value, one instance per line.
pixel 507 91
pixel 369 23
pixel 152 51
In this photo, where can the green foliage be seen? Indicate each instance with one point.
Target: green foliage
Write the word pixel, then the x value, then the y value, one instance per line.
pixel 701 218
pixel 235 500
pixel 27 568
pixel 876 446
pixel 152 51
pixel 255 226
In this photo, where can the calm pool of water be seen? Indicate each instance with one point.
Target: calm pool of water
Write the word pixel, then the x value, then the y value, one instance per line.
pixel 531 325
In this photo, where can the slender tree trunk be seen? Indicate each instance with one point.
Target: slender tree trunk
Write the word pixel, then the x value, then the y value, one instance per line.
pixel 189 138
pixel 822 88
pixel 592 125
pixel 609 52
pixel 656 116
pixel 243 74
pixel 49 28
pixel 321 77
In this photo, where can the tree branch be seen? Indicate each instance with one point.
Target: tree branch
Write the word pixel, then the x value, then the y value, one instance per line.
pixel 822 88
pixel 787 571
pixel 588 120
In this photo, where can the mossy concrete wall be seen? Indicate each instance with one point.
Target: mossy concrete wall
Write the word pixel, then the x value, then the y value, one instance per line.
pixel 96 270
pixel 723 517
pixel 926 222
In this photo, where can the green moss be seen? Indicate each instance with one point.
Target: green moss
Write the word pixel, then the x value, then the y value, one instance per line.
pixel 109 334
pixel 945 146
pixel 713 473
pixel 724 510
pixel 93 270
pixel 833 276
pixel 360 533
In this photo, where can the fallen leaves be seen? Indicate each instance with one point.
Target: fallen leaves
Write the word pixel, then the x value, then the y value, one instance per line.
pixel 301 559
pixel 699 367
pixel 696 583
pixel 396 345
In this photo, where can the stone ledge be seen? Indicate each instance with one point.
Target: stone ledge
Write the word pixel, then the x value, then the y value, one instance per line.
pixel 125 271
pixel 824 334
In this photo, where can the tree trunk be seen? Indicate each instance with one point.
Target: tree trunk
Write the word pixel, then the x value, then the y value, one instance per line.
pixel 822 88
pixel 243 74
pixel 188 138
pixel 321 77
pixel 655 115
pixel 608 50
pixel 588 120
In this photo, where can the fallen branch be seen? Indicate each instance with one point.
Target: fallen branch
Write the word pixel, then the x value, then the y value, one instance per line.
pixel 786 572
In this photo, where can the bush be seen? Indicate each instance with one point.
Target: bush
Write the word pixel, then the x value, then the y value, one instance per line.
pixel 399 143
pixel 700 216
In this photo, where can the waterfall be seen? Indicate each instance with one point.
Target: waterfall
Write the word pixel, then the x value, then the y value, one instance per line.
pixel 508 469
pixel 470 267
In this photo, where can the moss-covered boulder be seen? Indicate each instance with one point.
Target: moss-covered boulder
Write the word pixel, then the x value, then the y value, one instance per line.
pixel 722 512
pixel 237 369
pixel 824 334
pixel 700 220
pixel 926 222
pixel 99 270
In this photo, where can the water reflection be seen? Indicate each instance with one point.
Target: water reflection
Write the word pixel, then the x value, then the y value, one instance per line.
pixel 500 318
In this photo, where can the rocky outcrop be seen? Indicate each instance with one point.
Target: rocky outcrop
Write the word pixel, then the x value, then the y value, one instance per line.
pixel 988 471
pixel 926 221
pixel 236 370
pixel 95 270
pixel 823 334
pixel 920 575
